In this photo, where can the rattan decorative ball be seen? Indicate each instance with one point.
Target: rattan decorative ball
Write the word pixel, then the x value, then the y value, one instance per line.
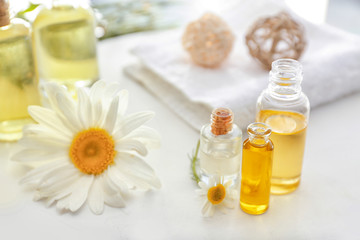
pixel 275 37
pixel 208 40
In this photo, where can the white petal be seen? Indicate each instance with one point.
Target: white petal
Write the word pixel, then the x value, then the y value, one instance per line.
pixel 114 200
pixel 138 179
pixel 61 184
pixel 38 155
pixel 228 203
pixel 49 119
pixel 149 136
pixel 115 178
pixel 132 122
pixel 40 131
pixel 131 145
pixel 65 192
pixel 80 192
pixel 97 114
pixel 96 196
pixel 123 101
pixel 36 174
pixel 111 116
pixel 203 186
pixel 46 143
pixel 130 163
pixel 111 91
pixel 97 91
pixel 63 203
pixel 113 183
pixel 206 209
pixel 201 192
pixel 68 110
pixel 84 109
pixel 57 176
pixel 51 90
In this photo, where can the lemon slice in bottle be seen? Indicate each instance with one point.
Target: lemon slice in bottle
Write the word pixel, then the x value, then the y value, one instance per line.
pixel 281 123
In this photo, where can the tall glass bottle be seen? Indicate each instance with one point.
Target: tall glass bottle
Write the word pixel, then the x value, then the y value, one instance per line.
pixel 256 169
pixel 65 44
pixel 285 108
pixel 220 147
pixel 18 85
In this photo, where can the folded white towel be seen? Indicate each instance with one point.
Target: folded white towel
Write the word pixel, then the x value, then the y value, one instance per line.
pixel 331 65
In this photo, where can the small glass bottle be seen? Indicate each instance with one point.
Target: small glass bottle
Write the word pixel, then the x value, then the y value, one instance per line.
pixel 18 85
pixel 220 147
pixel 65 44
pixel 285 108
pixel 256 169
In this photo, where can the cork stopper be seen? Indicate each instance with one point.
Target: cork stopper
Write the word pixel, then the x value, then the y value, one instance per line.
pixel 221 121
pixel 4 13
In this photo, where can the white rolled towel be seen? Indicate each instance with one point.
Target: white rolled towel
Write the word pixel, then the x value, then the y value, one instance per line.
pixel 331 66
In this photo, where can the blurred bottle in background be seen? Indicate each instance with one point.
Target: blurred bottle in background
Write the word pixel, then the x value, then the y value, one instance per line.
pixel 65 44
pixel 18 85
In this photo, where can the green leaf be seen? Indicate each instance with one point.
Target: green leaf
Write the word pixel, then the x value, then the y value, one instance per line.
pixel 31 8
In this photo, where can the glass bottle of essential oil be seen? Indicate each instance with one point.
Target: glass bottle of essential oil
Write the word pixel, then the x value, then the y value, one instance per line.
pixel 65 44
pixel 285 108
pixel 18 85
pixel 256 169
pixel 220 147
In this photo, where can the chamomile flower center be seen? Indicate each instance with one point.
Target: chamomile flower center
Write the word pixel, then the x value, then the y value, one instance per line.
pixel 92 151
pixel 216 194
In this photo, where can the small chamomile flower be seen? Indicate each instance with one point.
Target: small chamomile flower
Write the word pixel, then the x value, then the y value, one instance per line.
pixel 218 195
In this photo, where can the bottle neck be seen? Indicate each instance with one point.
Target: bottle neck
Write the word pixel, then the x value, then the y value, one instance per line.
pixel 285 79
pixel 4 13
pixel 221 121
pixel 259 134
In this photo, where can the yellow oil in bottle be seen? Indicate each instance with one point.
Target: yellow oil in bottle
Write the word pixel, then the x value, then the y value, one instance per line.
pixel 288 136
pixel 18 85
pixel 65 46
pixel 256 177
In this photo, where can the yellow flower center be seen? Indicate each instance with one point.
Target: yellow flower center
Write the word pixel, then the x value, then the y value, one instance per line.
pixel 216 194
pixel 92 151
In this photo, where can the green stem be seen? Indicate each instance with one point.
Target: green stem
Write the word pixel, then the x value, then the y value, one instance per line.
pixel 194 161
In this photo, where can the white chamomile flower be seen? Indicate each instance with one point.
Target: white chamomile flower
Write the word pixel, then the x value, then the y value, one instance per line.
pixel 87 150
pixel 218 194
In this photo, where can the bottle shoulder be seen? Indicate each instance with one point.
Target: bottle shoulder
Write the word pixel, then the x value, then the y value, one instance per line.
pixel 16 28
pixel 59 14
pixel 268 147
pixel 300 103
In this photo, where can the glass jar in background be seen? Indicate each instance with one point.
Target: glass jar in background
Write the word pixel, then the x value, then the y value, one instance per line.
pixel 285 109
pixel 65 45
pixel 18 84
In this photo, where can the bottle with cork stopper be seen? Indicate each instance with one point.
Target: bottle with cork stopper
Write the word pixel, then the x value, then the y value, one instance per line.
pixel 220 147
pixel 18 85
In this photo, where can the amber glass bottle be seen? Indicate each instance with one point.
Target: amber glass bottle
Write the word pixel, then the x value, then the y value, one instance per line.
pixel 256 169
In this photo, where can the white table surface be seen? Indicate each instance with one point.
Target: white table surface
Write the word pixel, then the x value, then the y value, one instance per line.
pixel 326 205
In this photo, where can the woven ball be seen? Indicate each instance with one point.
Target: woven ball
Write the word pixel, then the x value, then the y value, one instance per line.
pixel 208 40
pixel 275 37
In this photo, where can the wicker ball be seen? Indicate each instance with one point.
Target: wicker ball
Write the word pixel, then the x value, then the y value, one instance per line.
pixel 208 40
pixel 275 37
